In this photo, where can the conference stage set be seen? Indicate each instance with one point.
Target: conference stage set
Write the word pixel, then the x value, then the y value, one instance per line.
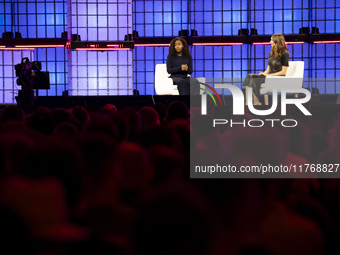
pixel 95 52
pixel 102 150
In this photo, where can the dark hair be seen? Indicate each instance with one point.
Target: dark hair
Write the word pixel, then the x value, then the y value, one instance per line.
pixel 172 50
pixel 280 46
pixel 12 113
pixel 177 110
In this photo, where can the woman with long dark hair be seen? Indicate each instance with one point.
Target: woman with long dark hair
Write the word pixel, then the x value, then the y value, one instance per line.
pixel 277 66
pixel 179 65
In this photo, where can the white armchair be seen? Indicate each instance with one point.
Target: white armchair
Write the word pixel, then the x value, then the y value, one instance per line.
pixel 164 85
pixel 293 79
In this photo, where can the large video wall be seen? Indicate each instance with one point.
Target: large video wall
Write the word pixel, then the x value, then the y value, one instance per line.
pixel 226 18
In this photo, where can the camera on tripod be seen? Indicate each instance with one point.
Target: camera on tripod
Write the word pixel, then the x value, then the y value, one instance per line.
pixel 30 78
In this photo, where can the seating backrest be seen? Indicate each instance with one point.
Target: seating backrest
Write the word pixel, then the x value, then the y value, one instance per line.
pixel 295 69
pixel 161 72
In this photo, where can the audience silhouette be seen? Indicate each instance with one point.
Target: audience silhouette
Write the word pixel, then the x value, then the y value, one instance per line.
pixel 116 181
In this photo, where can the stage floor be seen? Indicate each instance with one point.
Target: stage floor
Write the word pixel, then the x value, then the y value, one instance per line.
pixel 148 100
pixel 93 103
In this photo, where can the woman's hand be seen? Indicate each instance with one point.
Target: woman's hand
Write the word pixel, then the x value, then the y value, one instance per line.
pixel 184 67
pixel 280 73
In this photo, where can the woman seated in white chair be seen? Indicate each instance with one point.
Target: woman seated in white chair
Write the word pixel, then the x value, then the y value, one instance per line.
pixel 179 65
pixel 277 66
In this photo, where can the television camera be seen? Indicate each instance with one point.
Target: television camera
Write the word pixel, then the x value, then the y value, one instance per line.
pixel 30 78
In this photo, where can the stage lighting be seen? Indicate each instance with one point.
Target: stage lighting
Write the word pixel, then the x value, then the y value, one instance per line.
pixel 194 32
pixel 128 37
pixel 304 30
pixel 64 35
pixel 18 35
pixel 315 30
pixel 75 37
pixel 243 31
pixel 183 32
pixel 253 31
pixel 135 34
pixel 7 35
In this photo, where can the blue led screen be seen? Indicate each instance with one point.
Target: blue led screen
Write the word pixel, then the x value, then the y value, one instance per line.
pixel 100 72
pixel 111 20
pixel 225 18
pixel 39 19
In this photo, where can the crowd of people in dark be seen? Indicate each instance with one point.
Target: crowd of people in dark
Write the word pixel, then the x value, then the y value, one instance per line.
pixel 117 181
